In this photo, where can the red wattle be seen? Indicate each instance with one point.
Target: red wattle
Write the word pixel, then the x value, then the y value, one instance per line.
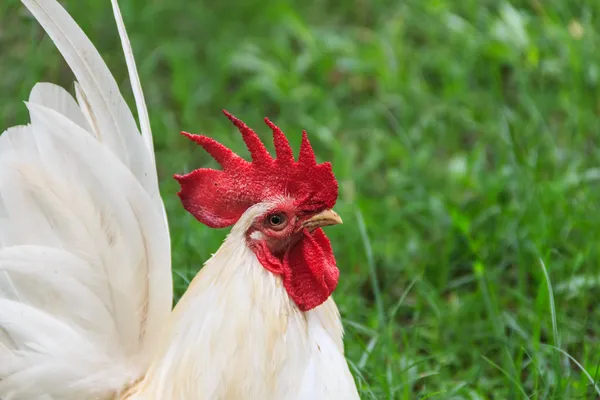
pixel 268 260
pixel 310 273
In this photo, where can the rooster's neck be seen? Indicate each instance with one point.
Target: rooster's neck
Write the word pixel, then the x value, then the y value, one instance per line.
pixel 260 345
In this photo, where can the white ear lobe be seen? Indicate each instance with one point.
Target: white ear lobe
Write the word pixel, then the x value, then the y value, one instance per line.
pixel 257 235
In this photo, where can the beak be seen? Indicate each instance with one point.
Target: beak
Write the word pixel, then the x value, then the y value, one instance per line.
pixel 325 218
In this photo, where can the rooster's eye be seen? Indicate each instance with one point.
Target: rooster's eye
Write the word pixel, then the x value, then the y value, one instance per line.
pixel 277 220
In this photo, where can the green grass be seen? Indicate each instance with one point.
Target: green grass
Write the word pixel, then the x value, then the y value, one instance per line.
pixel 465 137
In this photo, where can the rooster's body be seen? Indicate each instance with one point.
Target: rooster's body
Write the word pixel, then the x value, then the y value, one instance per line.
pixel 85 274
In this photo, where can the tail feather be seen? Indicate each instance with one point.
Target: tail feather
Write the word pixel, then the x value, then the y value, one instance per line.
pixel 85 280
pixel 115 122
pixel 136 86
pixel 59 100
pixel 37 374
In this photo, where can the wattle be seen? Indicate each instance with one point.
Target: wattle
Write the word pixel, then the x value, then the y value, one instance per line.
pixel 309 270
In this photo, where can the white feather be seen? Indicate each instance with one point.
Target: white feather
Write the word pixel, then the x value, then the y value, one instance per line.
pixel 85 277
pixel 86 110
pixel 108 109
pixel 59 100
pixel 136 86
pixel 66 194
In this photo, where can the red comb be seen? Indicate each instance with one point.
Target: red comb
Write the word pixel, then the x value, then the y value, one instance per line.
pixel 218 198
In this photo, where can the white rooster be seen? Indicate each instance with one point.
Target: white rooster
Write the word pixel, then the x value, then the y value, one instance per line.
pixel 85 274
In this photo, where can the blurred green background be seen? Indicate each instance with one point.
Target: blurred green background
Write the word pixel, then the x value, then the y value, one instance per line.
pixel 465 138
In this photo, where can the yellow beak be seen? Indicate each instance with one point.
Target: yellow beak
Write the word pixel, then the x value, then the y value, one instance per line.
pixel 325 218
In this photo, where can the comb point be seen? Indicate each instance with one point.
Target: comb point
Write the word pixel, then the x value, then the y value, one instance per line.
pixel 257 149
pixel 221 154
pixel 283 150
pixel 307 155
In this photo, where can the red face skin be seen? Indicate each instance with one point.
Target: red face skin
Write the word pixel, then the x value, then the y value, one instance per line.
pixel 288 244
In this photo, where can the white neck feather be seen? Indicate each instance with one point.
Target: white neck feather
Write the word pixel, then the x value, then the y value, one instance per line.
pixel 236 334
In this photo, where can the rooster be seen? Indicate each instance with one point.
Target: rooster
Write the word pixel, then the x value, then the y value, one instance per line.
pixel 85 274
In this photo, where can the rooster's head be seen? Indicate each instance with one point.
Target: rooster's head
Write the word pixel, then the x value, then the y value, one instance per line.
pixel 287 238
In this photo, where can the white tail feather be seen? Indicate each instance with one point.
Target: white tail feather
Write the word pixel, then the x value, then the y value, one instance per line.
pixel 86 109
pixel 114 119
pixel 136 86
pixel 85 279
pixel 59 100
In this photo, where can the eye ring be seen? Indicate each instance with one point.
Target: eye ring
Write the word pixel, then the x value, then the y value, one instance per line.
pixel 277 221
